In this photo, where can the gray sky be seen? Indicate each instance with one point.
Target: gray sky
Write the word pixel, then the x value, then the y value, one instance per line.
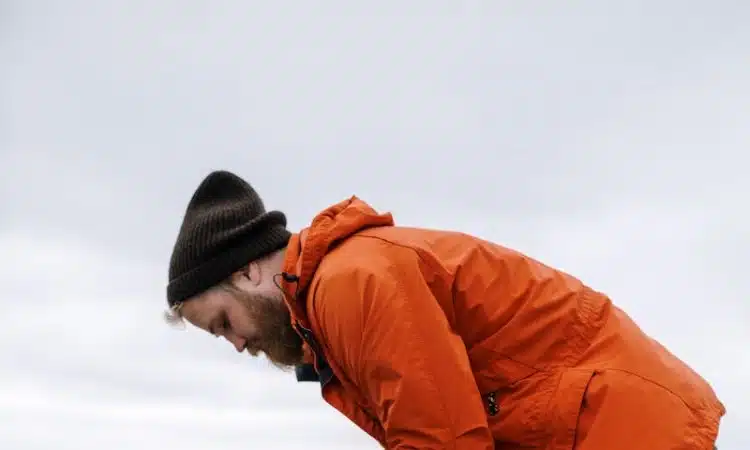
pixel 605 138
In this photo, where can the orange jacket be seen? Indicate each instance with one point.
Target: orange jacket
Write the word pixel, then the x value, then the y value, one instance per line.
pixel 432 339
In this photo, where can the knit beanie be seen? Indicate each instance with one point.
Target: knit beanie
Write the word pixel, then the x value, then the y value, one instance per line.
pixel 225 227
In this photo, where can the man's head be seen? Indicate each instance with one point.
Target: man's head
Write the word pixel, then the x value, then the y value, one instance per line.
pixel 248 311
pixel 224 268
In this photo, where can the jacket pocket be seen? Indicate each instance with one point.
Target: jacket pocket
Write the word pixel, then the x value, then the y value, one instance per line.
pixel 566 407
pixel 517 413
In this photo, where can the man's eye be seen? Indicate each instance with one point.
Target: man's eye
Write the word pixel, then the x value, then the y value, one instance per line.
pixel 222 327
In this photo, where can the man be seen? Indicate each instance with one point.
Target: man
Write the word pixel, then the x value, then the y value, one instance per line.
pixel 431 339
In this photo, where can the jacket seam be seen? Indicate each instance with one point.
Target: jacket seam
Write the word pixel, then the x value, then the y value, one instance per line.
pixel 427 373
pixel 696 410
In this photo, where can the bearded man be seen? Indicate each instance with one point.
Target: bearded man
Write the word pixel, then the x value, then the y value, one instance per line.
pixel 431 339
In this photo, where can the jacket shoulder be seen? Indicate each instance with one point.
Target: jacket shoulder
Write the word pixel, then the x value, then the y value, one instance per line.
pixel 368 253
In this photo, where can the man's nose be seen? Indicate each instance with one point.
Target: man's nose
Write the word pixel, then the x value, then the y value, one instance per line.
pixel 238 342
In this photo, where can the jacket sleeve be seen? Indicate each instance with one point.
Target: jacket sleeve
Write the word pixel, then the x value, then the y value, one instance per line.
pixel 388 333
pixel 360 418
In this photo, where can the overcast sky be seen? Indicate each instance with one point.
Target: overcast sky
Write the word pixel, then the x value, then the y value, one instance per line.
pixel 608 139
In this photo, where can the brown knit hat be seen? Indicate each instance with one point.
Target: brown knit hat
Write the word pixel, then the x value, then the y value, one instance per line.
pixel 225 227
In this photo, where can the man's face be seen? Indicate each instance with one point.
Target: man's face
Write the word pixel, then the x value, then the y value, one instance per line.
pixel 253 321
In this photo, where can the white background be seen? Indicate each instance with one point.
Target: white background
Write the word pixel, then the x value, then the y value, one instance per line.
pixel 605 138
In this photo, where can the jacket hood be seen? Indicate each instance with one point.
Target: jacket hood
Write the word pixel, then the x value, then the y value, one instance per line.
pixel 307 248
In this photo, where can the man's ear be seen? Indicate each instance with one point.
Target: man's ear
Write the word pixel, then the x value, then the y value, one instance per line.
pixel 252 272
pixel 248 274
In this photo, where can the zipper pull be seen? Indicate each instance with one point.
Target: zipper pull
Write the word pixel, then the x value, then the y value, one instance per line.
pixel 492 406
